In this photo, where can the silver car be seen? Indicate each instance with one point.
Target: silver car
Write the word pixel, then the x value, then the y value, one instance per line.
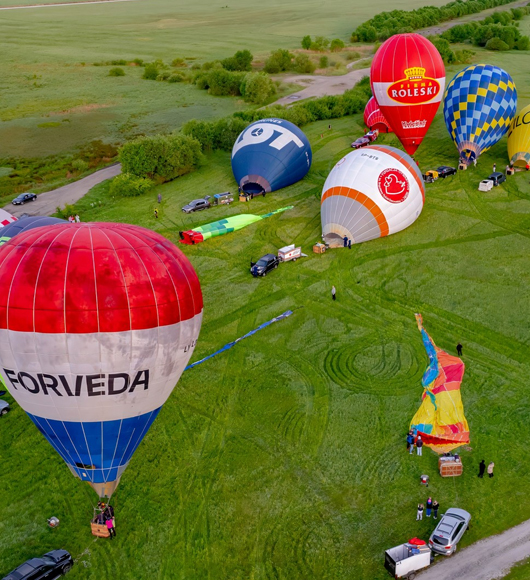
pixel 4 407
pixel 449 531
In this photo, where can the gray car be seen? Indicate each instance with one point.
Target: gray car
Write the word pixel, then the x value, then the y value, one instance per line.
pixel 449 531
pixel 4 407
pixel 197 205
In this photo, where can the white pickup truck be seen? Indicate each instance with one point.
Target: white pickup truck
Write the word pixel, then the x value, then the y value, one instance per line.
pixel 405 560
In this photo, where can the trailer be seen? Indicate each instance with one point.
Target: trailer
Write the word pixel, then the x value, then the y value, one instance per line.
pixel 290 253
pixel 405 560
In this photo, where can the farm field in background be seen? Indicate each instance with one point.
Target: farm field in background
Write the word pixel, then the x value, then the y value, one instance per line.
pixel 284 458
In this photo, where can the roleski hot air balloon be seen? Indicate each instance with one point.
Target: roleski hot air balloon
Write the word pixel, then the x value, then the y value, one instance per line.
pixel 24 224
pixel 408 79
pixel 370 193
pixel 519 139
pixel 97 322
pixel 479 105
pixel 270 154
pixel 374 119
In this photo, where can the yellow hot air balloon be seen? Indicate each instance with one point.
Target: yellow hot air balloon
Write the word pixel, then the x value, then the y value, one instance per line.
pixel 519 139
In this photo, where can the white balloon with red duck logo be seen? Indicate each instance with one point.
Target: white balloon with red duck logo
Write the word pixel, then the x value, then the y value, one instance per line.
pixel 371 193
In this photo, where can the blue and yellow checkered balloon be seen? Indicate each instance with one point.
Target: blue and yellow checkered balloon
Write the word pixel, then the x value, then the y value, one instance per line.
pixel 479 105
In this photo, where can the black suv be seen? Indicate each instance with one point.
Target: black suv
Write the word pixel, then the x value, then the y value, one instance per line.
pixel 196 205
pixel 265 264
pixel 497 178
pixel 51 565
pixel 445 171
pixel 23 198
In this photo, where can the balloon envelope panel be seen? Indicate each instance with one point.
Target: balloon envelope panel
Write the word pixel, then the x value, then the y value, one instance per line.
pixel 97 322
pixel 270 154
pixel 374 119
pixel 370 193
pixel 479 105
pixel 519 138
pixel 25 224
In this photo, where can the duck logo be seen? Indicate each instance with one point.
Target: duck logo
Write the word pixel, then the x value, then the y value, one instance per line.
pixel 393 185
pixel 415 89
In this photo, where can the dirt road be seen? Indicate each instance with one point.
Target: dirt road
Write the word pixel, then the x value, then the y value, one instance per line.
pixel 320 86
pixel 63 4
pixel 48 201
pixel 486 560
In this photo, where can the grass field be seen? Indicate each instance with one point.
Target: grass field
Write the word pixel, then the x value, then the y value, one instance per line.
pixel 285 458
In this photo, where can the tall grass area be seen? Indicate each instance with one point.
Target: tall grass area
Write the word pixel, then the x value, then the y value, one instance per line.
pixel 284 458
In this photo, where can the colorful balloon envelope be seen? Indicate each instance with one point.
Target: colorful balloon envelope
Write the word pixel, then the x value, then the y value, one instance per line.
pixel 374 119
pixel 25 224
pixel 370 193
pixel 270 154
pixel 97 322
pixel 6 218
pixel 408 80
pixel 519 139
pixel 479 105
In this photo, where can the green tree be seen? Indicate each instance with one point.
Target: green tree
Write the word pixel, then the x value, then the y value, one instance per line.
pixel 222 82
pixel 303 64
pixel 496 44
pixel 151 72
pixel 444 48
pixel 241 61
pixel 324 62
pixel 257 87
pixel 336 45
pixel 278 61
pixel 127 185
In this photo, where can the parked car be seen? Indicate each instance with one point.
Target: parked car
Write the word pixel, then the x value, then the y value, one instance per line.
pixel 372 135
pixel 197 205
pixel 361 142
pixel 23 198
pixel 497 178
pixel 449 531
pixel 265 264
pixel 430 176
pixel 445 171
pixel 51 565
pixel 485 185
pixel 4 407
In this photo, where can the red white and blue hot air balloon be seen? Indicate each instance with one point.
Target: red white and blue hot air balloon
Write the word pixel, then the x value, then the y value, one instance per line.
pixel 97 323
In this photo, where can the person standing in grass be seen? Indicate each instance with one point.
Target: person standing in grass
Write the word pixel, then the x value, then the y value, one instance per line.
pixel 159 198
pixel 490 469
pixel 333 293
pixel 156 213
pixel 435 508
pixel 349 244
pixel 419 445
pixel 481 469
pixel 494 167
pixel 77 218
pixel 410 441
pixel 429 507
pixel 419 515
pixel 110 527
pixel 459 349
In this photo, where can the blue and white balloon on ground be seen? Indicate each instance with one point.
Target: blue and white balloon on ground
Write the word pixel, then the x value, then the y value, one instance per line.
pixel 270 154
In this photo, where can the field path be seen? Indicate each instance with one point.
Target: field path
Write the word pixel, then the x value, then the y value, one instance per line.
pixel 320 86
pixel 63 4
pixel 488 559
pixel 48 201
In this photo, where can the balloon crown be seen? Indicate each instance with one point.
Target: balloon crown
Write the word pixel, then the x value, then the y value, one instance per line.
pixel 415 72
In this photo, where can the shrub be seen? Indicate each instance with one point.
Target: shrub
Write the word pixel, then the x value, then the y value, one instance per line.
pixel 353 56
pixel 306 42
pixel 151 72
pixel 303 64
pixel 257 87
pixel 496 44
pixel 138 62
pixel 222 82
pixel 120 62
pixel 336 45
pixel 444 48
pixel 278 61
pixel 127 185
pixel 241 61
pixel 79 165
pixel 116 72
pixel 464 56
pixel 162 157
pixel 66 212
pixel 176 78
pixel 163 76
pixel 324 62
pixel 523 43
pixel 178 63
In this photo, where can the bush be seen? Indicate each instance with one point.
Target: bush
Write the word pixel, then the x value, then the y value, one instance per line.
pixel 523 43
pixel 116 72
pixel 444 48
pixel 241 61
pixel 303 64
pixel 79 165
pixel 464 56
pixel 138 62
pixel 120 62
pixel 176 78
pixel 178 63
pixel 306 42
pixel 278 61
pixel 257 88
pixel 324 62
pixel 222 82
pixel 127 185
pixel 336 45
pixel 151 72
pixel 162 157
pixel 353 56
pixel 163 76
pixel 496 44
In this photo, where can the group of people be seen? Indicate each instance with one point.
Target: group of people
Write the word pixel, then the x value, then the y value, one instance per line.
pixel 105 516
pixel 73 219
pixel 347 242
pixel 414 441
pixel 482 469
pixel 430 506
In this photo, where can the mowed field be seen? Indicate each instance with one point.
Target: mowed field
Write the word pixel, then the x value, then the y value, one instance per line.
pixel 284 458
pixel 51 104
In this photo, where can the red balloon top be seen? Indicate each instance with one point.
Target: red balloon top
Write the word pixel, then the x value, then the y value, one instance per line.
pixel 94 277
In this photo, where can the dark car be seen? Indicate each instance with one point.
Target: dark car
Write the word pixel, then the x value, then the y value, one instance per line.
pixel 449 531
pixel 445 171
pixel 361 142
pixel 497 178
pixel 51 565
pixel 23 198
pixel 197 205
pixel 265 264
pixel 4 407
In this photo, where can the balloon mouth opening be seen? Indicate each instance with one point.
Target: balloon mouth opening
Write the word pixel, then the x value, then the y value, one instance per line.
pixel 334 240
pixel 253 188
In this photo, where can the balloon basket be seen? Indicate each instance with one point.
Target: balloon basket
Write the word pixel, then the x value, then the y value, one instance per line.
pixel 462 166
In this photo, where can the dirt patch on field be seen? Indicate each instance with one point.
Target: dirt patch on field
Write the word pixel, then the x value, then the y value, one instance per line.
pixel 81 109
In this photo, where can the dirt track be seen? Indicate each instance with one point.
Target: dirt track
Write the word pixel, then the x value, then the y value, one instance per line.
pixel 486 560
pixel 20 7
